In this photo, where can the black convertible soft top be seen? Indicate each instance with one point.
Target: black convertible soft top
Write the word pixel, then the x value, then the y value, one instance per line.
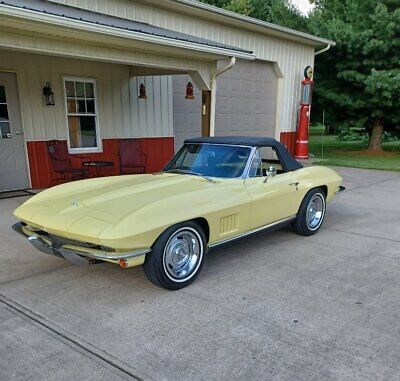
pixel 287 160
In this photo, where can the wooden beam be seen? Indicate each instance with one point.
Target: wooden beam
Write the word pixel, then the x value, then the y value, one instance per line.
pixel 205 112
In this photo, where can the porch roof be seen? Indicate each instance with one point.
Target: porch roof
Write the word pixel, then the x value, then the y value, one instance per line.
pixel 41 9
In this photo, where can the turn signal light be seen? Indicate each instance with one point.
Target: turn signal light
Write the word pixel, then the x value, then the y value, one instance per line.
pixel 123 263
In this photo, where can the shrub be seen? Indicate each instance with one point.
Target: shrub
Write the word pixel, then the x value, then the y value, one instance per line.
pixel 352 132
pixel 390 137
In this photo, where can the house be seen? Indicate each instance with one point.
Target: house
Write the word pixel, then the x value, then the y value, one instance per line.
pixel 91 73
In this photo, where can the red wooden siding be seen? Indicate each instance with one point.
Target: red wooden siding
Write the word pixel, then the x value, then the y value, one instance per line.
pixel 158 151
pixel 288 139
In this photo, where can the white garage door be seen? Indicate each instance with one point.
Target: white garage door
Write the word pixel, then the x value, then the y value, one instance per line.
pixel 246 103
pixel 246 100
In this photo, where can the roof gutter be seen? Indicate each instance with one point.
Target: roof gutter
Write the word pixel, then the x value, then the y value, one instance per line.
pixel 327 47
pixel 58 21
pixel 218 72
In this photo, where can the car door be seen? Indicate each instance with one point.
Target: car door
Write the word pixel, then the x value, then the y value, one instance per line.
pixel 274 197
pixel 227 209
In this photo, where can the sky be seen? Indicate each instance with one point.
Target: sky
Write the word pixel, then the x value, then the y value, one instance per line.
pixel 303 5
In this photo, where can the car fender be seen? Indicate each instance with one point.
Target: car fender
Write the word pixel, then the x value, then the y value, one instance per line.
pixel 142 227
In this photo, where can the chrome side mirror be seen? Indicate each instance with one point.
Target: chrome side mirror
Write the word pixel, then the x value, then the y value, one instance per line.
pixel 271 172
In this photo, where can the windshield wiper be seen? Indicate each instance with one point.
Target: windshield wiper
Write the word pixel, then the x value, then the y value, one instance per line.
pixel 188 172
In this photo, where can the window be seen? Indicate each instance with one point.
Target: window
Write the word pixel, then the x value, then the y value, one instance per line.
pixel 81 105
pixel 264 158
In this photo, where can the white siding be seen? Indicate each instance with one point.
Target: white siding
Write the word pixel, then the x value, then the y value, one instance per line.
pixel 187 112
pixel 120 114
pixel 291 56
pixel 153 116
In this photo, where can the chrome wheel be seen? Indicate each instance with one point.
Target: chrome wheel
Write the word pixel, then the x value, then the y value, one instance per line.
pixel 315 211
pixel 183 254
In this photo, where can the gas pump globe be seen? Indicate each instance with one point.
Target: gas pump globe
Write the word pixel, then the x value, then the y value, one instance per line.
pixel 307 87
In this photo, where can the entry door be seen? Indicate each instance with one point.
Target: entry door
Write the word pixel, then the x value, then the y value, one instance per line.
pixel 13 169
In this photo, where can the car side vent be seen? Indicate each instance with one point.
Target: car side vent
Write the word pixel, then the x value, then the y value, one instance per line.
pixel 228 224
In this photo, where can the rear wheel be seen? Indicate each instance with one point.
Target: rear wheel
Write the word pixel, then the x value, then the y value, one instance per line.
pixel 177 256
pixel 311 213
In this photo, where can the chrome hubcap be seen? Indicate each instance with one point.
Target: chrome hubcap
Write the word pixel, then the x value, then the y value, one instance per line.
pixel 315 211
pixel 182 254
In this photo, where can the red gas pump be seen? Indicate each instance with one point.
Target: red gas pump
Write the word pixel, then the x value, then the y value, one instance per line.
pixel 307 86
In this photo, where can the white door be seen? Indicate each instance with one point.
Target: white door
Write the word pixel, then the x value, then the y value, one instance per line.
pixel 13 169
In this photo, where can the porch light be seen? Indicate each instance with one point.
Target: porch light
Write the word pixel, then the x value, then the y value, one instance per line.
pixel 189 91
pixel 48 95
pixel 142 91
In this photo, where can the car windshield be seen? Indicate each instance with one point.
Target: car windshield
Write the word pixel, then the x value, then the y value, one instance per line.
pixel 210 160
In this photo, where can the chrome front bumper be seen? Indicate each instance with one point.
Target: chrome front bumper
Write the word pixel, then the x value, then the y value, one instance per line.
pixel 75 256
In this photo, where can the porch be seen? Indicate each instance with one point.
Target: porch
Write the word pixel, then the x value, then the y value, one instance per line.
pixel 93 66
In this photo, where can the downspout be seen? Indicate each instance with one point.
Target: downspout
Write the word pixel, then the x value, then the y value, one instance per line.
pixel 214 92
pixel 327 47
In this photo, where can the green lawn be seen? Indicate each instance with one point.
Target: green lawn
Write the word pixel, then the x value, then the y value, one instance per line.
pixel 331 151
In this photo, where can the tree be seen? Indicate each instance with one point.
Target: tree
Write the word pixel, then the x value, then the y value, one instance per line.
pixel 360 79
pixel 280 12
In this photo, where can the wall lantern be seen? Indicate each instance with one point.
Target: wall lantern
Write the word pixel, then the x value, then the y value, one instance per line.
pixel 142 91
pixel 189 91
pixel 48 95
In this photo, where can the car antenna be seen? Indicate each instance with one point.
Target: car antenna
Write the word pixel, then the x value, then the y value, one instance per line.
pixel 323 135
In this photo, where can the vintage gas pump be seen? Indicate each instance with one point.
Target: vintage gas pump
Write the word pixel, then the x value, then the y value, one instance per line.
pixel 307 86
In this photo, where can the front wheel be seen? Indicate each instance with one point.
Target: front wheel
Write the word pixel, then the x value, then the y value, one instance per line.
pixel 311 213
pixel 177 256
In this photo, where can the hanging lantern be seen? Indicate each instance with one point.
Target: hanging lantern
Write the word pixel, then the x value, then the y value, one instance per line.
pixel 189 91
pixel 48 94
pixel 142 91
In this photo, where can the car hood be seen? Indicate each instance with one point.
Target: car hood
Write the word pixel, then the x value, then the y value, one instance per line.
pixel 122 197
pixel 102 202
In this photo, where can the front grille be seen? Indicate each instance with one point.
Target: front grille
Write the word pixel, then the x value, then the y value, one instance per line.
pixel 58 241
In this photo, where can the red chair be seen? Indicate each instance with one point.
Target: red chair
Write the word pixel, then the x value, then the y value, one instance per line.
pixel 132 160
pixel 61 163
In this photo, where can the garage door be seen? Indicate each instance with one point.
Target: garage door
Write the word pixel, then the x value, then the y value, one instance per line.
pixel 246 103
pixel 246 100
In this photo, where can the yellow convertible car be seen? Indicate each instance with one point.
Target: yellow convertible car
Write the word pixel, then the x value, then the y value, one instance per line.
pixel 213 191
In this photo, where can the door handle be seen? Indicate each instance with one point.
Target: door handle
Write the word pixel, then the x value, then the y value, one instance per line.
pixel 17 132
pixel 296 183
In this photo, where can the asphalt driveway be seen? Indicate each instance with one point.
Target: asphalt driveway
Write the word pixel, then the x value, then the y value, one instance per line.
pixel 272 307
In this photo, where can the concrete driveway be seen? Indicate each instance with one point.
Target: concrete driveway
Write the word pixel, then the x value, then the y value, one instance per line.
pixel 272 307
